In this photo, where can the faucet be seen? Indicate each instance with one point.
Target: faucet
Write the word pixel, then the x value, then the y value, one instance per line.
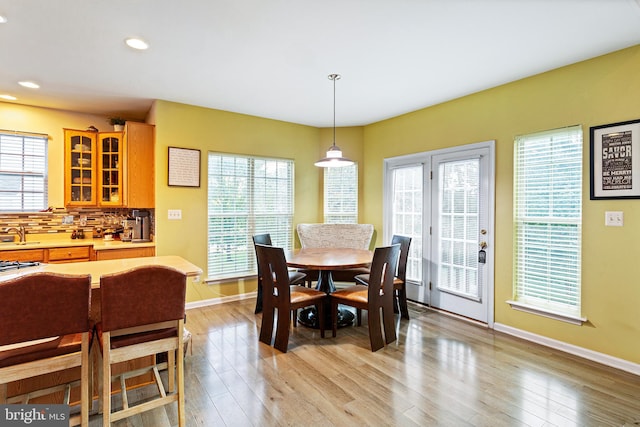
pixel 22 233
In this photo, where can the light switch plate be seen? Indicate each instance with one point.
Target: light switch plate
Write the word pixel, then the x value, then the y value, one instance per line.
pixel 614 219
pixel 175 214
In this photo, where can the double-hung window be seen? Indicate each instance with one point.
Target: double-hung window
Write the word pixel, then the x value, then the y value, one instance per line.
pixel 246 196
pixel 23 172
pixel 548 223
pixel 341 195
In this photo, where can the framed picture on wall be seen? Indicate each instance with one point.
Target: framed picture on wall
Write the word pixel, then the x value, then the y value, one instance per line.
pixel 615 161
pixel 184 167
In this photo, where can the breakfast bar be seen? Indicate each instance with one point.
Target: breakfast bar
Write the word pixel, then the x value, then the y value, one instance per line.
pixel 95 269
pixel 98 268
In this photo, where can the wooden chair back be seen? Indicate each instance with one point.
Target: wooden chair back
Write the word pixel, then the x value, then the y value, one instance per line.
pixel 277 295
pixel 143 313
pixel 400 282
pixel 404 242
pixel 382 273
pixel 45 328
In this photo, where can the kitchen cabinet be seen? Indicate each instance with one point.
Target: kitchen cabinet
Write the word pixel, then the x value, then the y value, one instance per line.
pixel 111 146
pixel 49 255
pixel 125 253
pixel 68 254
pixel 139 173
pixel 80 179
pixel 110 169
pixel 23 255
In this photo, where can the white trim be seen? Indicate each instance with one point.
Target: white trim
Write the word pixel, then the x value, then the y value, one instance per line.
pixel 220 300
pixel 425 158
pixel 556 315
pixel 595 356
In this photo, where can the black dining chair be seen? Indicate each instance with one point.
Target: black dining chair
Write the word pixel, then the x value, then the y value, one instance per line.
pixel 281 296
pixel 376 297
pixel 399 282
pixel 295 277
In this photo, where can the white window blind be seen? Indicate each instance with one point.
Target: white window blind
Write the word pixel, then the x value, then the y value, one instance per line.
pixel 458 219
pixel 341 195
pixel 407 214
pixel 23 172
pixel 246 196
pixel 548 220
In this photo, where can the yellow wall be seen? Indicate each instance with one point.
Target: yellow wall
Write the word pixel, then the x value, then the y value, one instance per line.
pixel 599 91
pixel 15 117
pixel 219 131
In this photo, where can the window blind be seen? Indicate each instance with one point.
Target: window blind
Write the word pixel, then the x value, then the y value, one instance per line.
pixel 407 213
pixel 23 172
pixel 246 196
pixel 341 195
pixel 548 219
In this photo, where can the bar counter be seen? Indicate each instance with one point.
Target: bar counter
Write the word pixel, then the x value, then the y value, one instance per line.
pixel 98 268
pixel 95 269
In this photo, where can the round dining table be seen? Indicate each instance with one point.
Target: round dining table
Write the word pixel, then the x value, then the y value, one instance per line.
pixel 326 260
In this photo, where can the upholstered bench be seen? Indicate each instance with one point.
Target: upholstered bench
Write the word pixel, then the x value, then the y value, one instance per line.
pixel 355 236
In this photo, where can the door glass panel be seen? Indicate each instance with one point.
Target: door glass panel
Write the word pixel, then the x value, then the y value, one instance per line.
pixel 458 231
pixel 407 214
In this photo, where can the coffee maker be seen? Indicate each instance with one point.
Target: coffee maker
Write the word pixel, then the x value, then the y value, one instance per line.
pixel 141 226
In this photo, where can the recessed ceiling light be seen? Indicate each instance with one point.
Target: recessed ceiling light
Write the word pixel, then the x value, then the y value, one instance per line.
pixel 3 19
pixel 8 97
pixel 137 43
pixel 30 85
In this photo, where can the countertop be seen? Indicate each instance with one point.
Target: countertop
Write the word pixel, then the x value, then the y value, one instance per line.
pixel 98 244
pixel 98 268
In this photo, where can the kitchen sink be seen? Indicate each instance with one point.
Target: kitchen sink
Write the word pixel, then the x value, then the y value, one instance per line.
pixel 19 243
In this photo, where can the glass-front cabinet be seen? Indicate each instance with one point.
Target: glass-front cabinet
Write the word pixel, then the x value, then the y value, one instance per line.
pixel 93 168
pixel 110 169
pixel 80 166
pixel 110 166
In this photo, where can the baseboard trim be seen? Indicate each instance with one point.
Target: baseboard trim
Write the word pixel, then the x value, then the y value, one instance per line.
pixel 220 300
pixel 585 353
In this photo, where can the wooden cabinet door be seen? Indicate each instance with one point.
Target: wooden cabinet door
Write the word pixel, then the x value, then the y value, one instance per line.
pixel 111 145
pixel 80 180
pixel 23 255
pixel 140 172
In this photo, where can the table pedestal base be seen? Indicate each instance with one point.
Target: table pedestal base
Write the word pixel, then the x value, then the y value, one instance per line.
pixel 309 318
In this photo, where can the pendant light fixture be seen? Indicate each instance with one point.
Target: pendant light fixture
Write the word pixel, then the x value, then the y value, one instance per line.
pixel 334 154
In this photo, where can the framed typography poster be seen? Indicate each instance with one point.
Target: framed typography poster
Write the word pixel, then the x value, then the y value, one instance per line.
pixel 615 160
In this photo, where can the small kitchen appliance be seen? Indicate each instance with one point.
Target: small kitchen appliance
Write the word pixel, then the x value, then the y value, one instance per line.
pixel 141 226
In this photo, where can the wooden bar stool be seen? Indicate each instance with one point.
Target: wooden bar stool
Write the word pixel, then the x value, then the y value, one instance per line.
pixel 142 315
pixel 45 328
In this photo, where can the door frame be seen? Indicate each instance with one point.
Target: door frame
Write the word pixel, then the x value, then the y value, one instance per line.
pixel 425 158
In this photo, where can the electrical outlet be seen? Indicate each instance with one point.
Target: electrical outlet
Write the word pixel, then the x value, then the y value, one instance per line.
pixel 175 214
pixel 613 219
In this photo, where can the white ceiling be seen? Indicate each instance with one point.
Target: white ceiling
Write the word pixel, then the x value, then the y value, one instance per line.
pixel 271 58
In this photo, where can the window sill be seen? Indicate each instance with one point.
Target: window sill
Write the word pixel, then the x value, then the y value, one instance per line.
pixel 563 317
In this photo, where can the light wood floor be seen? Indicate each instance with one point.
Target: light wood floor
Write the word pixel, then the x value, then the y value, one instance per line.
pixel 441 371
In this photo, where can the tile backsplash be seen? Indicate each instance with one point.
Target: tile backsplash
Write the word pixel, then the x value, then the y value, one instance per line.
pixel 64 220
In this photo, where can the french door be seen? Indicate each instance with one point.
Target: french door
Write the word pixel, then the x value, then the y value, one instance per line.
pixel 444 201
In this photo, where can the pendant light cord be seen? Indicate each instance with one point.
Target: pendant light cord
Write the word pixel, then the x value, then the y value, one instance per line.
pixel 334 77
pixel 334 109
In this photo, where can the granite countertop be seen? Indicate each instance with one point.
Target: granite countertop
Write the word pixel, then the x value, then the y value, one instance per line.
pixel 98 244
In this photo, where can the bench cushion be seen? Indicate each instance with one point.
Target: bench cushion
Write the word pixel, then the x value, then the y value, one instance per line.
pixel 355 236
